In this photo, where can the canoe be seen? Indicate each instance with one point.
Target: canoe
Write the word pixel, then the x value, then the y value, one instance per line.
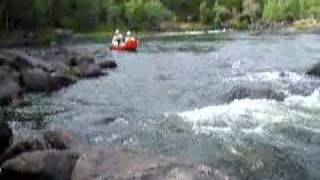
pixel 131 45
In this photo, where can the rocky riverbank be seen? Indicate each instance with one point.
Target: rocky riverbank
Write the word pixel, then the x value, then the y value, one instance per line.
pixel 20 72
pixel 61 155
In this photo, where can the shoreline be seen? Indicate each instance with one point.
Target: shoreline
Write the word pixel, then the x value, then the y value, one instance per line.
pixel 61 37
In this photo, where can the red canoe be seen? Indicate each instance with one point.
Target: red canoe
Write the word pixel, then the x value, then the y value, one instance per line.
pixel 131 45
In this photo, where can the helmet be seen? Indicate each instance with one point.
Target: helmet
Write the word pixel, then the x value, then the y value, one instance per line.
pixel 117 31
pixel 128 33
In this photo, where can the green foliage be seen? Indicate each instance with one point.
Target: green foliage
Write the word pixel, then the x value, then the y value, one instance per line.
pixel 145 14
pixel 282 10
pixel 90 15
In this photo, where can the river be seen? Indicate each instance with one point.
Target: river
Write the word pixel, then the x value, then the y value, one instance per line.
pixel 181 96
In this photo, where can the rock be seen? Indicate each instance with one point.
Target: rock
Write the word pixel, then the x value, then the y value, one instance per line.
pixel 61 139
pixel 86 67
pixel 5 136
pixel 253 92
pixel 76 61
pixel 126 164
pixel 89 70
pixel 57 139
pixel 36 80
pixel 40 165
pixel 21 60
pixel 25 145
pixel 60 80
pixel 105 121
pixel 315 70
pixel 108 64
pixel 10 88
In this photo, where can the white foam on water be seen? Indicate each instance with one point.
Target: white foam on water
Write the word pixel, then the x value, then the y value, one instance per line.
pixel 311 102
pixel 251 115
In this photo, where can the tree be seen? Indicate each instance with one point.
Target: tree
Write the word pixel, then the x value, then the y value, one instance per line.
pixel 251 9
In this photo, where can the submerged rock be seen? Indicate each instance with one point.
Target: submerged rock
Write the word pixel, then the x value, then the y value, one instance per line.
pixel 254 92
pixel 315 70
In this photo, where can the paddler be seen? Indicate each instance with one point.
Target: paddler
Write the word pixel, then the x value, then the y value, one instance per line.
pixel 128 36
pixel 117 39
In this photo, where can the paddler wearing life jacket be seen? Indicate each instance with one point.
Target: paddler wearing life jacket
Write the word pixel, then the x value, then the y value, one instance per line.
pixel 117 39
pixel 128 36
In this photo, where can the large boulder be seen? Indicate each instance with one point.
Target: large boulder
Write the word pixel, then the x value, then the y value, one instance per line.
pixel 40 165
pixel 315 70
pixel 89 70
pixel 89 163
pixel 5 136
pixel 56 139
pixel 10 88
pixel 36 80
pixel 86 67
pixel 128 164
pixel 20 60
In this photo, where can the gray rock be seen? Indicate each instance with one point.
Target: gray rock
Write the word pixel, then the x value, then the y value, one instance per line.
pixel 56 139
pixel 124 164
pixel 40 165
pixel 61 139
pixel 28 144
pixel 89 70
pixel 253 92
pixel 315 70
pixel 10 88
pixel 36 80
pixel 5 136
pixel 108 64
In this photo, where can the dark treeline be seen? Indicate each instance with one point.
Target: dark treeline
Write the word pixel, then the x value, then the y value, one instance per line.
pixel 84 15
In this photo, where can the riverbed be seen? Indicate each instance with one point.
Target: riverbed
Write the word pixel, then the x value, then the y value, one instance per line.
pixel 185 96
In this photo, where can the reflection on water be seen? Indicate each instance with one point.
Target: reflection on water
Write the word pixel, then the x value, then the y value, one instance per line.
pixel 173 97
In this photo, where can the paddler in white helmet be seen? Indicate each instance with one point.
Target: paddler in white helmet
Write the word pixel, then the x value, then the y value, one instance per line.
pixel 117 38
pixel 128 36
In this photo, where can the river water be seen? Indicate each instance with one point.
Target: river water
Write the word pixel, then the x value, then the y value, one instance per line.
pixel 181 96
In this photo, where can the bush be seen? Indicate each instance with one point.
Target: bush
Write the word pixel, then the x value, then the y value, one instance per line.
pixel 145 14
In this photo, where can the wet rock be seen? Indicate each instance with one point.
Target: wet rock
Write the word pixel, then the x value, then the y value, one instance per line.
pixel 76 61
pixel 108 64
pixel 21 60
pixel 25 145
pixel 125 164
pixel 315 70
pixel 60 80
pixel 86 67
pixel 36 80
pixel 56 139
pixel 40 165
pixel 10 88
pixel 106 120
pixel 5 136
pixel 89 70
pixel 62 140
pixel 254 93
